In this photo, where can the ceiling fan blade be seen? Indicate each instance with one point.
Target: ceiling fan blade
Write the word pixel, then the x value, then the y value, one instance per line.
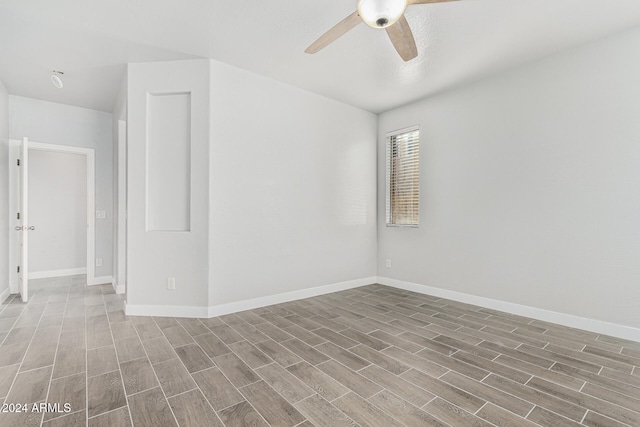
pixel 402 39
pixel 334 33
pixel 428 1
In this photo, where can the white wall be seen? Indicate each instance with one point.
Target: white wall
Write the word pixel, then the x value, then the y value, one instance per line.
pixel 292 188
pixel 282 186
pixel 5 219
pixel 155 255
pixel 119 131
pixel 529 186
pixel 52 123
pixel 58 211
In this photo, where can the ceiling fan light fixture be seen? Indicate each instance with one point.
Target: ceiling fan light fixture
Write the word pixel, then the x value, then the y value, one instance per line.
pixel 381 13
pixel 56 80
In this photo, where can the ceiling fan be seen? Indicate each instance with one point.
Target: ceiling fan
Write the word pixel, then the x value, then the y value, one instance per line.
pixel 387 14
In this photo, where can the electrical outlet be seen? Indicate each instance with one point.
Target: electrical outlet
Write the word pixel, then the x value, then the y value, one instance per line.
pixel 388 263
pixel 171 283
pixel 98 262
pixel 101 214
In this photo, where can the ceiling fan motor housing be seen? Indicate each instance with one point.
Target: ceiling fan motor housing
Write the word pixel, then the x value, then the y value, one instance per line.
pixel 381 13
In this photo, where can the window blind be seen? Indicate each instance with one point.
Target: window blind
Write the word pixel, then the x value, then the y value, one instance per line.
pixel 403 186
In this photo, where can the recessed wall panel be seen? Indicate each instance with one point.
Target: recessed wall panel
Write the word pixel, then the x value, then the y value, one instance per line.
pixel 168 161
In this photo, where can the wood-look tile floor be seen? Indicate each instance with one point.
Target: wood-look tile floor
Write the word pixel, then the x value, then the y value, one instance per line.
pixel 368 356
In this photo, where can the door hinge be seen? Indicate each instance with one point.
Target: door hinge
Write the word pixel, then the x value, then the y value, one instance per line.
pixel 18 215
pixel 18 162
pixel 18 269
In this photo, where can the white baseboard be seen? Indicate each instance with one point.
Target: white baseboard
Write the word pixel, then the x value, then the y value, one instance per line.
pixel 100 280
pixel 56 273
pixel 4 295
pixel 234 307
pixel 118 289
pixel 592 325
pixel 165 310
pixel 597 326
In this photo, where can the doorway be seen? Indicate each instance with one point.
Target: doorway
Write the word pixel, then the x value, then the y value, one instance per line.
pixel 58 212
pixel 70 247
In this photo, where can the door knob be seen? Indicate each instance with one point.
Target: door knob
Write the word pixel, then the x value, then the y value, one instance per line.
pixel 32 227
pixel 18 228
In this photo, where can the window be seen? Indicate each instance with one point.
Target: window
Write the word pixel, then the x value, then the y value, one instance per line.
pixel 403 186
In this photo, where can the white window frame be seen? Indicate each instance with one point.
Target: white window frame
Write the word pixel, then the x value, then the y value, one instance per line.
pixel 388 208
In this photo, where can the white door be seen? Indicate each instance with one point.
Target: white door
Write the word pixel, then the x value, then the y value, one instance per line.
pixel 23 279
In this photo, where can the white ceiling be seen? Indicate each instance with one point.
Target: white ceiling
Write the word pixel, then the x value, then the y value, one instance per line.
pixel 458 42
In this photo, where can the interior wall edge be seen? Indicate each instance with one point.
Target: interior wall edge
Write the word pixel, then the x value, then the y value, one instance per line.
pixel 564 319
pixel 5 268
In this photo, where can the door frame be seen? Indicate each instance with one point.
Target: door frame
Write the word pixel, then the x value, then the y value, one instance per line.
pixel 89 154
